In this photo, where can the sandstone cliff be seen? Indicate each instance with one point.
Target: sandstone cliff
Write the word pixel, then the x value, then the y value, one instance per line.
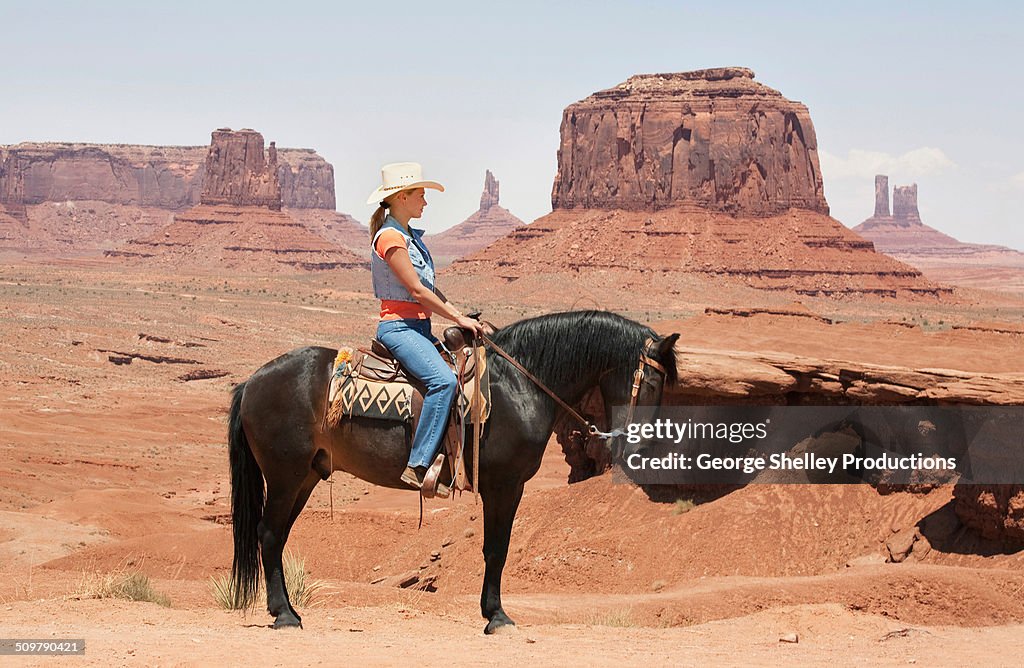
pixel 168 177
pixel 489 223
pixel 904 236
pixel 307 180
pixel 239 224
pixel 12 185
pixel 712 138
pixel 710 375
pixel 881 196
pixel 239 172
pixel 904 204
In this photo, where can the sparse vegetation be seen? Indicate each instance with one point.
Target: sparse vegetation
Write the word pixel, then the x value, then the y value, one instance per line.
pixel 619 617
pixel 223 590
pixel 303 591
pixel 683 506
pixel 128 585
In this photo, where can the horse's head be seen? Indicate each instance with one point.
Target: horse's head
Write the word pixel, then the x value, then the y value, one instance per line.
pixel 654 370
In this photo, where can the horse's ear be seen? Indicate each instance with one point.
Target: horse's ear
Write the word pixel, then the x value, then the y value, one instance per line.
pixel 665 344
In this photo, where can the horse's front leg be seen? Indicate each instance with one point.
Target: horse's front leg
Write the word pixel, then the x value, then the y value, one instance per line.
pixel 501 501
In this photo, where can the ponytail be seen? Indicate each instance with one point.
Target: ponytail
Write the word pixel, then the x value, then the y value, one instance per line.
pixel 377 220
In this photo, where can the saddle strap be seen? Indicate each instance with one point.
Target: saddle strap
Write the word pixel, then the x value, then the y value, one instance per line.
pixel 478 401
pixel 459 462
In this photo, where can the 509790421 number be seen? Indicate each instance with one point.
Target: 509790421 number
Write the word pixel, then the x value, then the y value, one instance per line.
pixel 44 647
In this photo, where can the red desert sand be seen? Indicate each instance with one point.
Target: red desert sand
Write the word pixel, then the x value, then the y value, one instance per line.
pixel 115 461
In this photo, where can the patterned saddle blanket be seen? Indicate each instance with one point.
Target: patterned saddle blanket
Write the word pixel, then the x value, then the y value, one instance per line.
pixel 365 384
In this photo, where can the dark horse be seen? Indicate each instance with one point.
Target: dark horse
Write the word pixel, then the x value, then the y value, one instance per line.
pixel 274 435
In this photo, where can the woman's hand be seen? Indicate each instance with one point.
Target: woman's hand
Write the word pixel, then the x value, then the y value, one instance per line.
pixel 470 324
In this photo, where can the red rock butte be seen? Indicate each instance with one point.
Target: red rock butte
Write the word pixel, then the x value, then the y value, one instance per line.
pixel 903 235
pixel 715 139
pixel 703 172
pixel 489 223
pixel 902 231
pixel 238 224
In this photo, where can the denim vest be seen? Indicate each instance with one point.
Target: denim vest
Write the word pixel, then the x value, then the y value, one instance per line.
pixel 385 284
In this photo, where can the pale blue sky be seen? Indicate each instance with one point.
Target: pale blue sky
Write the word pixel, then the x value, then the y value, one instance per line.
pixel 926 91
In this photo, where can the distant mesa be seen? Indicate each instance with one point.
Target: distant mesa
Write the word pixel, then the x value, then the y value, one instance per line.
pixel 77 200
pixel 711 139
pixel 490 223
pixel 703 174
pixel 168 177
pixel 239 224
pixel 903 235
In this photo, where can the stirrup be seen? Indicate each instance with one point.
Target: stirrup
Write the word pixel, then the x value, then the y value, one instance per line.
pixel 430 486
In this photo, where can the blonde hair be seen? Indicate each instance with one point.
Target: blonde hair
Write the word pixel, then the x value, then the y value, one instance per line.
pixel 377 221
pixel 381 214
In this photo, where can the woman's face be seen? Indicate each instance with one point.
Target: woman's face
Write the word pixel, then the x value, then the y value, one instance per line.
pixel 412 201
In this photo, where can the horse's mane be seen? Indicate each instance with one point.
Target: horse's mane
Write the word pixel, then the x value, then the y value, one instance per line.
pixel 575 343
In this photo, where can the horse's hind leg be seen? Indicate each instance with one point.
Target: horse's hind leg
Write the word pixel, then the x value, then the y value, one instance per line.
pixel 300 502
pixel 274 529
pixel 500 504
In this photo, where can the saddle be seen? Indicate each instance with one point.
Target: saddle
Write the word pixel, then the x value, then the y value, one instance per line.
pixel 378 364
pixel 372 383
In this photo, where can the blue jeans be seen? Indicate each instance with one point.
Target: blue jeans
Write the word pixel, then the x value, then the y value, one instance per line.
pixel 412 344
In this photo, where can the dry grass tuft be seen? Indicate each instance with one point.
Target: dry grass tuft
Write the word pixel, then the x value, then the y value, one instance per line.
pixel 683 506
pixel 303 591
pixel 618 617
pixel 128 585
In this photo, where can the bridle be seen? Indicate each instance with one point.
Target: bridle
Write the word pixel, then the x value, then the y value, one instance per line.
pixel 638 377
pixel 592 429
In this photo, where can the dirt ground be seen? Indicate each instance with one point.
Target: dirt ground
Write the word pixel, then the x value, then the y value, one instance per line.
pixel 113 456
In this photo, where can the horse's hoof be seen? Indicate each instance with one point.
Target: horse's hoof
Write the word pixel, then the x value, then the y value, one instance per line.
pixel 500 623
pixel 287 620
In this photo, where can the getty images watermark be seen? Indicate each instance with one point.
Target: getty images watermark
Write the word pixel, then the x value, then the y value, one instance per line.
pixel 822 444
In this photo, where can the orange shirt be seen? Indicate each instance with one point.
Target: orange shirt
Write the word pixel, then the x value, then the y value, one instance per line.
pixel 393 309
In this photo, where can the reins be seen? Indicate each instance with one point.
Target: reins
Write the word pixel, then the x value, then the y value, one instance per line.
pixel 591 428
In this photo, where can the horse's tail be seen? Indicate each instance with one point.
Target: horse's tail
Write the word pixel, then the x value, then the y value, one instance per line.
pixel 247 500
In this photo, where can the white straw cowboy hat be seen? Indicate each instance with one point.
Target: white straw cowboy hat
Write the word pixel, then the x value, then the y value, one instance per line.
pixel 399 176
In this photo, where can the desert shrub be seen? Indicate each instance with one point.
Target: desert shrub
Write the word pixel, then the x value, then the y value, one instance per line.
pixel 128 585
